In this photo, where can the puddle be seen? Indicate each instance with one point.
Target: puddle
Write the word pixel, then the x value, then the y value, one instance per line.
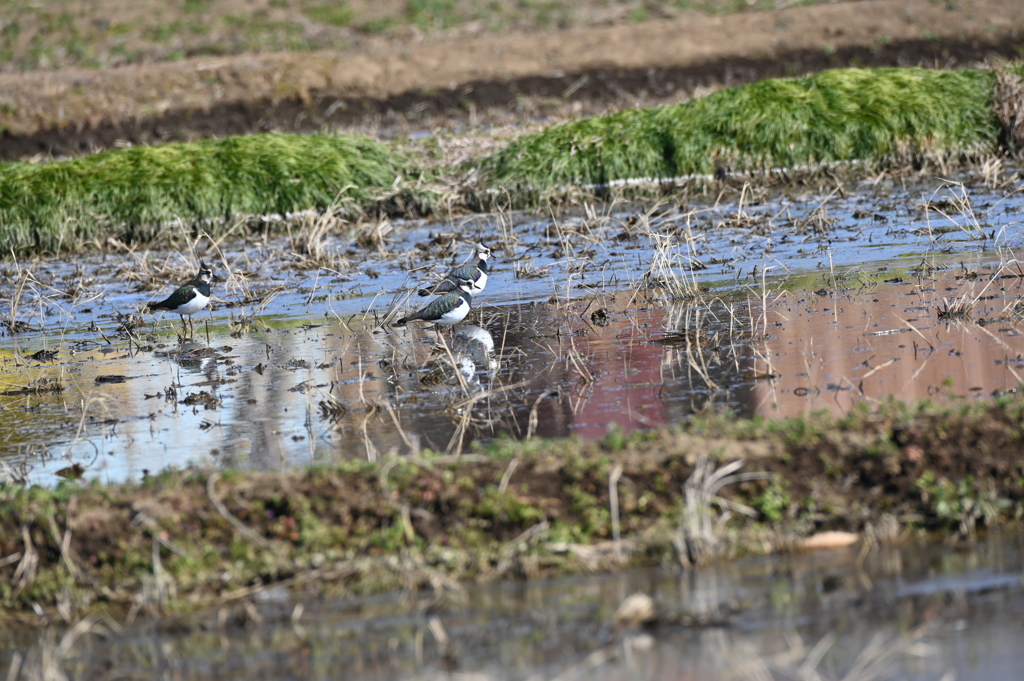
pixel 921 611
pixel 775 307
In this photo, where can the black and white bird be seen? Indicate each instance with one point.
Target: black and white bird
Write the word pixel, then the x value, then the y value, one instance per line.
pixel 475 273
pixel 190 298
pixel 448 310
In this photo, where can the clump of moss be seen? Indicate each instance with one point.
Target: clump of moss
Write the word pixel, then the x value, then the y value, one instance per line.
pixel 132 193
pixel 837 115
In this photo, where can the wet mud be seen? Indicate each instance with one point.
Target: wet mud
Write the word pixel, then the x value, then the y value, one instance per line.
pixel 297 455
pixel 777 306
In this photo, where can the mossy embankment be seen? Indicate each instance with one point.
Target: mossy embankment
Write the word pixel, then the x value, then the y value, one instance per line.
pixel 881 116
pixel 140 193
pixel 187 539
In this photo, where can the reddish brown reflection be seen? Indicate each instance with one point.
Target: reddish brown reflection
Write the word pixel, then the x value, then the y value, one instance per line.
pixel 833 352
pixel 613 375
pixel 635 370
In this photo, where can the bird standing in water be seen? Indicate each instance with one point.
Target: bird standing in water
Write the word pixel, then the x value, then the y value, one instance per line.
pixel 475 273
pixel 189 299
pixel 448 310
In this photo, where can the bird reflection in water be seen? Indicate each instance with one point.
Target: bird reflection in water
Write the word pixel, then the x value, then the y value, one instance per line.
pixel 468 358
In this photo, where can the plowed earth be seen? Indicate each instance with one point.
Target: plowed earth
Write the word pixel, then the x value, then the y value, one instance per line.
pixel 395 85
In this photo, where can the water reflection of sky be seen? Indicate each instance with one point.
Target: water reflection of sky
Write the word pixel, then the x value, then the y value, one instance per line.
pixel 792 317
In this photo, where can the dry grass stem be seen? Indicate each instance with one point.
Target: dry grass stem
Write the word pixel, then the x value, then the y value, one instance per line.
pixel 242 528
pixel 698 537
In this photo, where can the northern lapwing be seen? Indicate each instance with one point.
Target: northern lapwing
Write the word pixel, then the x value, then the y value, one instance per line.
pixel 448 310
pixel 189 299
pixel 475 273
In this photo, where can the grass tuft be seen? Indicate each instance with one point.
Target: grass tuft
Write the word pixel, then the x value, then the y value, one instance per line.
pixel 132 194
pixel 837 115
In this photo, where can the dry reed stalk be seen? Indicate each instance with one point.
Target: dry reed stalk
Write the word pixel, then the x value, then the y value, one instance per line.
pixel 25 573
pixel 240 527
pixel 1008 101
pixel 697 541
pixel 506 477
pixel 613 503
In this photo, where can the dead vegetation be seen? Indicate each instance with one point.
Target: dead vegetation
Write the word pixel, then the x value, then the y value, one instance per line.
pixel 1009 106
pixel 955 310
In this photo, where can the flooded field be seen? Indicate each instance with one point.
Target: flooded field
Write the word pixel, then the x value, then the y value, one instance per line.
pixel 920 611
pixel 770 304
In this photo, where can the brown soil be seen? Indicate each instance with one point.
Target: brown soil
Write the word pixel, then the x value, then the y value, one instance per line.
pixel 107 33
pixel 385 87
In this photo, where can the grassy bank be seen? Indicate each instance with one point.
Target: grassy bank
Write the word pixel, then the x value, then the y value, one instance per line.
pixel 838 115
pixel 881 116
pixel 132 194
pixel 186 539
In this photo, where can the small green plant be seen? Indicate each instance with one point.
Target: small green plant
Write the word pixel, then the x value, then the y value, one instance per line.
pixel 197 5
pixel 638 14
pixel 163 33
pixel 616 439
pixel 964 503
pixel 595 518
pixel 436 14
pixel 775 500
pixel 331 13
pixel 378 25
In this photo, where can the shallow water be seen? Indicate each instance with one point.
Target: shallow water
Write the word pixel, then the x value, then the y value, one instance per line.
pixel 921 611
pixel 776 307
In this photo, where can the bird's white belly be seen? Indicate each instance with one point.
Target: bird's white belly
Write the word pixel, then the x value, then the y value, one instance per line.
pixel 194 305
pixel 453 317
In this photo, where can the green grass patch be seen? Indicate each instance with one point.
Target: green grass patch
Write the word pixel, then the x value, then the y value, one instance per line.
pixel 331 13
pixel 131 193
pixel 433 14
pixel 837 115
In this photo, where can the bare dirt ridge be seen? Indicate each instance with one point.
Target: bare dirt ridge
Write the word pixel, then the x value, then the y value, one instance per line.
pixel 388 88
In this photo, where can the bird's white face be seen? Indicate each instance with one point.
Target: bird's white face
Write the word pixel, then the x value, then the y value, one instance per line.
pixel 483 252
pixel 205 273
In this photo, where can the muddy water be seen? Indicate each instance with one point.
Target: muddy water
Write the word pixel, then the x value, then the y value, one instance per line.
pixel 921 611
pixel 774 306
